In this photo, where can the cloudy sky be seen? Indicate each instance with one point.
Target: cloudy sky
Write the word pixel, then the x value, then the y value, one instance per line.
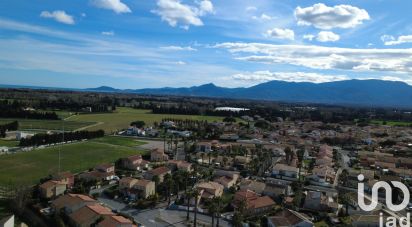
pixel 156 43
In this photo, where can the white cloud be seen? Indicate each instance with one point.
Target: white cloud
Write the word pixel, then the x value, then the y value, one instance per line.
pixel 178 48
pixel 320 57
pixel 324 17
pixel 205 7
pixel 108 33
pixel 116 5
pixel 264 76
pixel 180 63
pixel 263 17
pixel 175 12
pixel 59 16
pixel 326 36
pixel 280 33
pixel 251 8
pixel 390 40
pixel 309 37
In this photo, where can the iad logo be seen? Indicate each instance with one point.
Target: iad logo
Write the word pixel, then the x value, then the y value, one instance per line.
pixel 388 192
pixel 391 221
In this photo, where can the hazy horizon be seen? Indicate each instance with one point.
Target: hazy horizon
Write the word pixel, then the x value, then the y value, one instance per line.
pixel 129 44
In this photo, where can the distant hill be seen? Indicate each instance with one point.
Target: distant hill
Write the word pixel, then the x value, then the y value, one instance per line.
pixel 348 92
pixel 377 93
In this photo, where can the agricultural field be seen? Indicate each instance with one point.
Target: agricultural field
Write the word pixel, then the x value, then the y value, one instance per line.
pixel 28 124
pixel 112 122
pixel 28 167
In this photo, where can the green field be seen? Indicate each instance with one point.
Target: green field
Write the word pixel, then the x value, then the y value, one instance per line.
pixel 29 167
pixel 392 123
pixel 111 122
pixel 122 141
pixel 8 143
pixel 27 124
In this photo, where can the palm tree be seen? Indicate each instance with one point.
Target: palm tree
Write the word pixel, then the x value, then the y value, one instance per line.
pixel 218 203
pixel 212 210
pixel 178 176
pixel 169 185
pixel 209 155
pixel 196 194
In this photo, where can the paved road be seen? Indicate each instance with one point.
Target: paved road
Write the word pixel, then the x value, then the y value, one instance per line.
pixel 158 217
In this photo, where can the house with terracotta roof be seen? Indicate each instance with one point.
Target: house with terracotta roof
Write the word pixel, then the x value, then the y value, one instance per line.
pixel 179 165
pixel 89 215
pixel 158 155
pixel 254 204
pixel 159 171
pixel 100 173
pixel 289 218
pixel 137 188
pixel 134 162
pixel 71 202
pixel 115 221
pixel 210 189
pixel 52 188
pixel 64 177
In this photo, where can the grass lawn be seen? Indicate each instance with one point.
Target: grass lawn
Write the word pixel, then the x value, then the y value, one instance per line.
pixel 29 167
pixel 121 119
pixel 122 141
pixel 321 224
pixel 8 143
pixel 28 124
pixel 392 123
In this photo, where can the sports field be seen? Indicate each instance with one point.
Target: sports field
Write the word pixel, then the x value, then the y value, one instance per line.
pixel 111 122
pixel 29 167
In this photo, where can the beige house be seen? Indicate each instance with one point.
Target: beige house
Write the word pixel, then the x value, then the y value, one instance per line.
pixel 134 162
pixel 71 202
pixel 210 189
pixel 115 221
pixel 51 188
pixel 160 172
pixel 158 155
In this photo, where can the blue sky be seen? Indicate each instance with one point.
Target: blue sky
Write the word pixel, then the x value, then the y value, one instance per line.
pixel 176 43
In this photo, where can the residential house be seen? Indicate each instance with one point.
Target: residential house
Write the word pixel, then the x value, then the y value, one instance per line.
pixel 71 202
pixel 254 204
pixel 227 178
pixel 210 189
pixel 64 177
pixel 134 162
pixel 100 173
pixel 203 146
pixel 158 155
pixel 277 189
pixel 284 171
pixel 115 221
pixel 159 171
pixel 89 215
pixel 51 188
pixel 289 218
pixel 179 165
pixel 317 201
pixel 127 183
pixel 7 221
pixel 252 185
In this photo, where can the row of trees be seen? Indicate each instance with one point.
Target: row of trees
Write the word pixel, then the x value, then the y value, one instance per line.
pixel 8 127
pixel 42 139
pixel 17 110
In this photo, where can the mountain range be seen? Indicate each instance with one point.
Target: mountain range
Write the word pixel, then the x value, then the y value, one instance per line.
pixel 376 93
pixel 369 93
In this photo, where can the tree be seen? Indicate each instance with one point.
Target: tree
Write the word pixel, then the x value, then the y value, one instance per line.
pixel 138 124
pixel 229 119
pixel 211 207
pixel 196 195
pixel 168 182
